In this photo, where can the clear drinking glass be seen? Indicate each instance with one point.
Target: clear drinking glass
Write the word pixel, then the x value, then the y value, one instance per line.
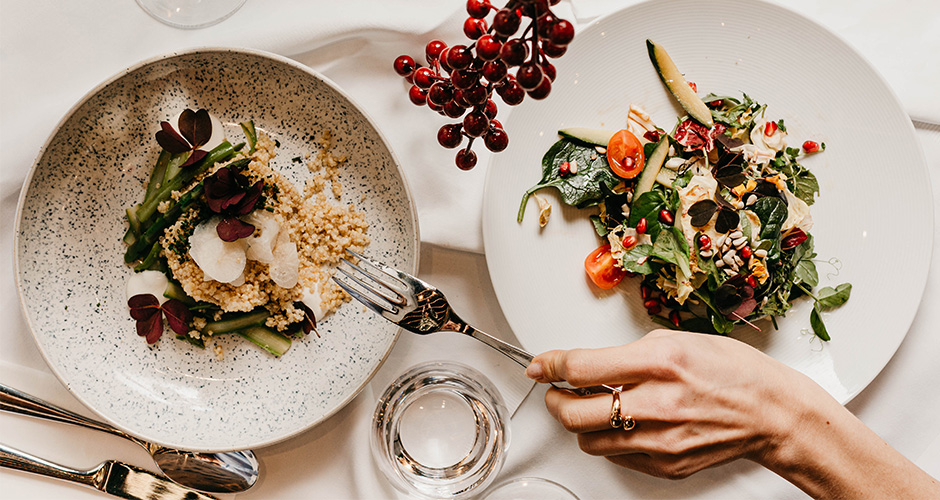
pixel 441 430
pixel 529 488
pixel 190 14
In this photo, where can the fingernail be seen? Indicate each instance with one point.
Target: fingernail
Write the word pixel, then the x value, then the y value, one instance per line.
pixel 534 371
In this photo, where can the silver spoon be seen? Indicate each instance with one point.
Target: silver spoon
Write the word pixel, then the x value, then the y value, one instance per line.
pixel 229 472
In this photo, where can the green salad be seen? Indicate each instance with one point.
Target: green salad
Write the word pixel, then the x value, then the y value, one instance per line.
pixel 713 216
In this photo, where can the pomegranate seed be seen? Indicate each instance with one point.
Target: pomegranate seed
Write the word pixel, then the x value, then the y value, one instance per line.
pixel 665 216
pixel 645 292
pixel 770 128
pixel 628 241
pixel 651 303
pixel 674 318
pixel 564 169
pixel 641 226
pixel 811 147
pixel 628 162
pixel 704 242
pixel 652 135
pixel 751 281
pixel 717 103
pixel 745 252
pixel 694 86
pixel 653 311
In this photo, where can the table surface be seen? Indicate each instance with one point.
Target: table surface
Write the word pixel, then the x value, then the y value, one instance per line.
pixel 333 461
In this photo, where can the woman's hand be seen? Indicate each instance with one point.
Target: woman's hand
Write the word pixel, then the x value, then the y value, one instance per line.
pixel 703 400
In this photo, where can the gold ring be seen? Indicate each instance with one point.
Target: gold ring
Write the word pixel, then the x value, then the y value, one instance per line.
pixel 616 419
pixel 628 423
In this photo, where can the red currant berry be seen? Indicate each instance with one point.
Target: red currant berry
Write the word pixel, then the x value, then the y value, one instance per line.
pixel 549 70
pixel 449 136
pixel 424 77
pixel 418 95
pixel 542 91
pixel 489 109
pixel 433 50
pixel 453 109
pixel 562 33
pixel 466 159
pixel 554 51
pixel 436 107
pixel 476 95
pixel 496 139
pixel 440 93
pixel 404 65
pixel 478 8
pixel 506 22
pixel 545 24
pixel 474 28
pixel 496 124
pixel 442 61
pixel 464 79
pixel 511 92
pixel 488 47
pixel 514 52
pixel 475 123
pixel 529 76
pixel 494 71
pixel 459 57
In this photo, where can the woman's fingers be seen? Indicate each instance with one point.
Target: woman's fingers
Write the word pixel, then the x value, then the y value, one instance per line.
pixel 626 364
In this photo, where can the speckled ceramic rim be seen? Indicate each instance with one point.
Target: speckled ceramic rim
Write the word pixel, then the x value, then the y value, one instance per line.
pixel 415 242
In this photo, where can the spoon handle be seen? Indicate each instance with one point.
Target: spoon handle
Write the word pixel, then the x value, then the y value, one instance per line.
pixel 14 401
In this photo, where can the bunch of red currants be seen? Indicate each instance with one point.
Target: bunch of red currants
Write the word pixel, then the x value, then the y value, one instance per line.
pixel 459 80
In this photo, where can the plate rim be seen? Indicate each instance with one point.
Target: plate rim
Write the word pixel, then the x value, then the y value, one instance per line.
pixel 895 102
pixel 415 240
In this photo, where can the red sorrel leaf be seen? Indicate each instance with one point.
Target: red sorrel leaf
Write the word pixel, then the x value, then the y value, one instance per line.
pixel 194 158
pixel 170 140
pixel 247 204
pixel 177 316
pixel 231 229
pixel 793 240
pixel 187 124
pixel 202 129
pixel 232 201
pixel 309 323
pixel 702 212
pixel 151 328
pixel 143 306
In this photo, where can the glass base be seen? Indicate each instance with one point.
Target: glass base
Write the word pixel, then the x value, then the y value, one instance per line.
pixel 190 14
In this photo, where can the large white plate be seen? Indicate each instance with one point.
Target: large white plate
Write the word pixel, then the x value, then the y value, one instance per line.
pixel 71 275
pixel 874 214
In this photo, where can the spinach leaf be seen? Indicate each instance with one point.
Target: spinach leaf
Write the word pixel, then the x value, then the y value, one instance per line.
pixel 804 268
pixel 599 225
pixel 720 323
pixel 831 298
pixel 582 189
pixel 670 246
pixel 630 258
pixel 800 180
pixel 815 320
pixel 648 205
pixel 772 213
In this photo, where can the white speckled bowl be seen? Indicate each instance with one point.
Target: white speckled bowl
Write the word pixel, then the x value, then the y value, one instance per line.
pixel 71 275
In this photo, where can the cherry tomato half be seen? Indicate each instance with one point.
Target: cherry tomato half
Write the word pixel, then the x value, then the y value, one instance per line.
pixel 599 265
pixel 625 154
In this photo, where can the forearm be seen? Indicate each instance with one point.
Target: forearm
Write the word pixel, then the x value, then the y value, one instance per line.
pixel 828 453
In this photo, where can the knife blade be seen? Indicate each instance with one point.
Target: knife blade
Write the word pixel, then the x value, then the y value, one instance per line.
pixel 112 477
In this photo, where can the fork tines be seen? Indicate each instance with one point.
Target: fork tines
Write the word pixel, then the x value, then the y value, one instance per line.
pixel 371 284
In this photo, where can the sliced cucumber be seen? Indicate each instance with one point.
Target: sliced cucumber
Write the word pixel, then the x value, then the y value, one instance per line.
pixel 675 82
pixel 653 165
pixel 267 339
pixel 597 137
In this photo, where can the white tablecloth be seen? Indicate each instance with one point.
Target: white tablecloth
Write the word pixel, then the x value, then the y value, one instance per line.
pixel 52 53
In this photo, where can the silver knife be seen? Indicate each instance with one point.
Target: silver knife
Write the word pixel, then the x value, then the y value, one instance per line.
pixel 111 477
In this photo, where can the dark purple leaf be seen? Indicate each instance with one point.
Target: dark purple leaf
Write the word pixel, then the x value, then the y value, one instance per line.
pixel 702 211
pixel 219 187
pixel 247 204
pixel 177 316
pixel 151 328
pixel 232 202
pixel 170 140
pixel 747 307
pixel 730 176
pixel 187 124
pixel 202 129
pixel 143 306
pixel 231 229
pixel 194 158
pixel 309 323
pixel 727 220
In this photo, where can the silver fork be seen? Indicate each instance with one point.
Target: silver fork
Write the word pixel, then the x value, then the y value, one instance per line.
pixel 421 308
